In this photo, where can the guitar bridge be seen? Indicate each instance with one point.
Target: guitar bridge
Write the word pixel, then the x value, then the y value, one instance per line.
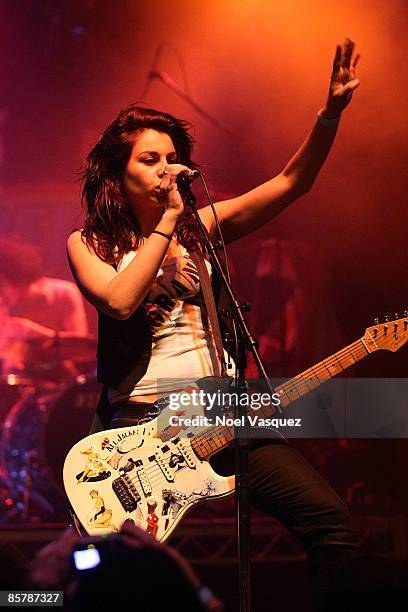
pixel 126 493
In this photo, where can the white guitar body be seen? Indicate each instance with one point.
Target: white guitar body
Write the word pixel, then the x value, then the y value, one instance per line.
pixel 137 473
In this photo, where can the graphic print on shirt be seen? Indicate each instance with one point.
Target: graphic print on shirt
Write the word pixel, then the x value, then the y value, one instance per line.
pixel 182 346
pixel 177 283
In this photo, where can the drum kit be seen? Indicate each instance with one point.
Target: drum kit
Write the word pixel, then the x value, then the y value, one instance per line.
pixel 45 408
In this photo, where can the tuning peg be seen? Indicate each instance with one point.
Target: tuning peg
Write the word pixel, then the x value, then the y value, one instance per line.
pixel 405 313
pixel 376 321
pixel 386 318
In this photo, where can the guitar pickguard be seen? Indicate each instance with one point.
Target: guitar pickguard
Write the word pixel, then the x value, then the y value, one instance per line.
pixel 132 472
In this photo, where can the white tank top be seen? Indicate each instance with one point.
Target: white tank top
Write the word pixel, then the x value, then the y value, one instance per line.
pixel 183 349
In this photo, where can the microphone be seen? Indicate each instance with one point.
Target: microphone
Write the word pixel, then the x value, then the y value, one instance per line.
pixel 184 179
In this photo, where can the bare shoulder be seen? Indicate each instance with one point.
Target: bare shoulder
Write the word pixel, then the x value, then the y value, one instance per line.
pixel 77 247
pixel 75 240
pixel 81 255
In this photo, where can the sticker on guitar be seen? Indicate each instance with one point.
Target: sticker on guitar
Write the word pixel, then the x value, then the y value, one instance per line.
pixel 99 516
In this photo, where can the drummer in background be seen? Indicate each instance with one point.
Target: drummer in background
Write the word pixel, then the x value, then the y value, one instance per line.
pixel 33 306
pixel 51 302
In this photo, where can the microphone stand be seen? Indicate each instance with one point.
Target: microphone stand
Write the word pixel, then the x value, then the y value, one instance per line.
pixel 246 341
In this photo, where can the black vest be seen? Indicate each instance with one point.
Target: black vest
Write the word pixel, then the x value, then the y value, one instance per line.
pixel 124 350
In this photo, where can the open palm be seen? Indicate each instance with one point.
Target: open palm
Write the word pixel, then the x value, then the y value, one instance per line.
pixel 343 78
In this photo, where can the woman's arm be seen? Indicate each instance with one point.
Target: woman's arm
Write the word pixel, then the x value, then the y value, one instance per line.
pixel 243 214
pixel 119 294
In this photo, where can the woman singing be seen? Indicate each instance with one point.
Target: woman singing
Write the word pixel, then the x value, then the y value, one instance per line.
pixel 132 261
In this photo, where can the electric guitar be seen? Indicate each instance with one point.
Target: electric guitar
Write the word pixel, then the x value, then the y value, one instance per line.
pixel 156 472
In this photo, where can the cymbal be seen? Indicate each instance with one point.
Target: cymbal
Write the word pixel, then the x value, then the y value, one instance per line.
pixel 61 348
pixel 35 351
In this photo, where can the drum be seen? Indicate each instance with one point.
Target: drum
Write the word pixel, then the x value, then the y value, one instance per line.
pixel 12 388
pixel 38 432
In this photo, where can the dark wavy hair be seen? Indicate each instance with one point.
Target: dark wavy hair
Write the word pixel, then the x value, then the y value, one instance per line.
pixel 110 229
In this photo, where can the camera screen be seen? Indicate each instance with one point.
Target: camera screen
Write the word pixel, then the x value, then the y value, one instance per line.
pixel 86 559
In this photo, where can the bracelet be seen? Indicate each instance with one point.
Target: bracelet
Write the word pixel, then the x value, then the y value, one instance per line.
pixel 326 121
pixel 162 234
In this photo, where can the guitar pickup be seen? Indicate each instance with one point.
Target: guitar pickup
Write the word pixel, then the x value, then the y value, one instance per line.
pixel 187 453
pixel 164 466
pixel 144 481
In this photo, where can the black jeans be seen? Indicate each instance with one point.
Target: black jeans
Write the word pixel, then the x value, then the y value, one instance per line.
pixel 286 486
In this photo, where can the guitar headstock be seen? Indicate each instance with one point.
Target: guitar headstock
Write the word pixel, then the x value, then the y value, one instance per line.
pixel 388 334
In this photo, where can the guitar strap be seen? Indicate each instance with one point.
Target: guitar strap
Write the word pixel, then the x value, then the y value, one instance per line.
pixel 206 287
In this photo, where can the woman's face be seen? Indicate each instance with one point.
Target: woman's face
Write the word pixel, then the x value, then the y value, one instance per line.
pixel 152 151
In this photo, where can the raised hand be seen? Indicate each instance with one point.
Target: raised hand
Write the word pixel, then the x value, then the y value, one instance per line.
pixel 343 78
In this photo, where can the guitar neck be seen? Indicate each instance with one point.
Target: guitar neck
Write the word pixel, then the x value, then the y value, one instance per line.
pixel 318 374
pixel 215 438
